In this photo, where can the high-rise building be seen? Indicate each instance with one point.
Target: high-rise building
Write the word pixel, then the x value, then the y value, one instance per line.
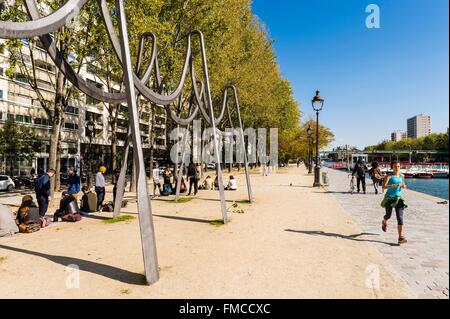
pixel 419 126
pixel 19 102
pixel 397 136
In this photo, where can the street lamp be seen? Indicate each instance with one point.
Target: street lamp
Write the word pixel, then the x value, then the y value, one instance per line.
pixel 317 104
pixel 90 133
pixel 310 157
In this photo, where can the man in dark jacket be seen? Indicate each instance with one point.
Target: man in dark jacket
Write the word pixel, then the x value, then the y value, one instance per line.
pixel 42 190
pixel 74 182
pixel 360 172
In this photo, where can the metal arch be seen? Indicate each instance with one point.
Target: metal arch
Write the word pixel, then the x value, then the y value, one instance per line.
pixel 44 25
pixel 154 97
pixel 66 69
pixel 144 207
pixel 241 132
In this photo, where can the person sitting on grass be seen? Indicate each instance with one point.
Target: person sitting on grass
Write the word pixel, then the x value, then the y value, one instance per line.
pixel 208 183
pixel 232 184
pixel 88 201
pixel 68 209
pixel 28 218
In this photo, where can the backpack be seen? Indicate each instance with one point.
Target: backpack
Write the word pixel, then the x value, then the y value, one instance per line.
pixel 108 207
pixel 360 169
pixel 71 218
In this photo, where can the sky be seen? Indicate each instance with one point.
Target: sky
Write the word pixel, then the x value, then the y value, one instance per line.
pixel 372 80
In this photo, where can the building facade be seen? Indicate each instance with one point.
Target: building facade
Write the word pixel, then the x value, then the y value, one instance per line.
pixel 19 102
pixel 397 136
pixel 419 126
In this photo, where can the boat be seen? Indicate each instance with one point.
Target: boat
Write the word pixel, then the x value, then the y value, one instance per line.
pixel 423 174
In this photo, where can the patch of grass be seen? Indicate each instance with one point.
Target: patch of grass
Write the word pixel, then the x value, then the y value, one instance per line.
pixel 236 209
pixel 125 291
pixel 217 223
pixel 119 219
pixel 59 228
pixel 182 200
pixel 2 259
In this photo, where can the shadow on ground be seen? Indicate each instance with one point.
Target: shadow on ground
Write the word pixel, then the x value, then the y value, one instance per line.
pixel 347 237
pixel 111 272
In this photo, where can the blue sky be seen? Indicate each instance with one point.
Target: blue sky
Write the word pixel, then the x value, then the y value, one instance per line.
pixel 372 79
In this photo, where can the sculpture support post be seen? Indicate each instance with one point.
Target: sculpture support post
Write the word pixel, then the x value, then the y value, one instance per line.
pixel 247 171
pixel 180 172
pixel 120 188
pixel 143 200
pixel 215 135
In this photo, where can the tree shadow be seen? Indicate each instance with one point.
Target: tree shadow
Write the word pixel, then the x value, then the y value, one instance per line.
pixel 107 271
pixel 347 237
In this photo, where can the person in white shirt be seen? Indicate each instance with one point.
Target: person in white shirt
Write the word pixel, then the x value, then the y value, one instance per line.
pixel 100 186
pixel 232 184
pixel 156 180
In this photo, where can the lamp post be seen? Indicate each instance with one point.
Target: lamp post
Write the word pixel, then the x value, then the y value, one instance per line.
pixel 90 133
pixel 317 104
pixel 310 157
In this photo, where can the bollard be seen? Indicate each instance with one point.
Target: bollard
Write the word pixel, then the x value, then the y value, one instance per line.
pixel 325 179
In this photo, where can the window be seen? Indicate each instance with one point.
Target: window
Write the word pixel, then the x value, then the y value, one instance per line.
pixel 21 78
pixel 1 94
pixel 3 178
pixel 11 117
pixel 72 110
pixel 71 126
pixel 23 119
pixel 2 71
pixel 44 84
pixel 41 121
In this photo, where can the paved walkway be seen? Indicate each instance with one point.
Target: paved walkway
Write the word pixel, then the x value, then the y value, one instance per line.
pixel 423 263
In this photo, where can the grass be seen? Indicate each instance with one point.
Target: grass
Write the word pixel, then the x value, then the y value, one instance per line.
pixel 181 200
pixel 2 259
pixel 125 291
pixel 217 223
pixel 119 219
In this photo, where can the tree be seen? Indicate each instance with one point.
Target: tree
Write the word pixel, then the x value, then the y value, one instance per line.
pixel 17 143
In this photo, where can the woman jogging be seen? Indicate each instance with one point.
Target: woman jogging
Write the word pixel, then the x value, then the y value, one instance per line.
pixel 394 199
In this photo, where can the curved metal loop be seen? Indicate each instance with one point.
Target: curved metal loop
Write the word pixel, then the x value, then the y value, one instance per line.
pixel 58 58
pixel 154 97
pixel 43 25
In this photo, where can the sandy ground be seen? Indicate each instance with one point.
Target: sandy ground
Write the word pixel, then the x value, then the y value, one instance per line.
pixel 288 244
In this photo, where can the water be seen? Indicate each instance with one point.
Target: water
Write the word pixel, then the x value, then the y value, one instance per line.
pixel 435 187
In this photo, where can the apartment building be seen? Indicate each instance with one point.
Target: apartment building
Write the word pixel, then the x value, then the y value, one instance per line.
pixel 19 102
pixel 419 126
pixel 397 136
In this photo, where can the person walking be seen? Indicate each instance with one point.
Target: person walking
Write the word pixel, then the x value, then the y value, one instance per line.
pixel 100 186
pixel 360 172
pixel 376 175
pixel 394 199
pixel 42 190
pixel 193 178
pixel 74 182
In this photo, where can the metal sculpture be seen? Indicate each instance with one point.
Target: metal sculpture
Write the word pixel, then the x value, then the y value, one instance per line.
pixel 135 85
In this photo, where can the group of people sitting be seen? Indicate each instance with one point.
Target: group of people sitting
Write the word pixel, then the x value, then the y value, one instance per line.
pixel 170 182
pixel 32 216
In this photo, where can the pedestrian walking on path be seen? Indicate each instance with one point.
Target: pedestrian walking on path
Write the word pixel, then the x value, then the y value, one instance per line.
pixel 377 177
pixel 394 199
pixel 360 172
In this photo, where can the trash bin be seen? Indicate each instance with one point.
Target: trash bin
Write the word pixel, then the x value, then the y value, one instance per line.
pixel 325 180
